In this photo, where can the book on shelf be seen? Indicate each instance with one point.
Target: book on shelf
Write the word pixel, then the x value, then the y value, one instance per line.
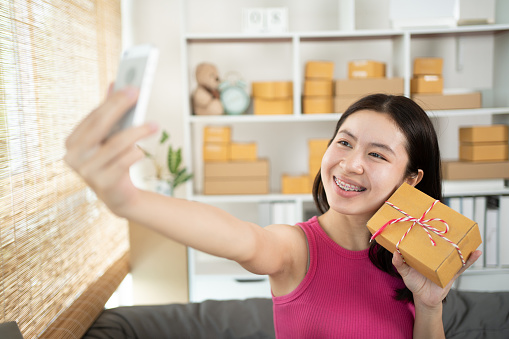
pixel 264 213
pixel 277 212
pixel 504 230
pixel 491 232
pixel 480 218
pixel 454 203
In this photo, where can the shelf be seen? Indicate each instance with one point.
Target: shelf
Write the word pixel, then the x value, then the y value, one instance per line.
pixel 455 188
pixel 349 35
pixel 460 30
pixel 486 270
pixel 354 34
pixel 255 198
pixel 221 119
pixel 258 198
pixel 468 112
pixel 237 37
pixel 264 118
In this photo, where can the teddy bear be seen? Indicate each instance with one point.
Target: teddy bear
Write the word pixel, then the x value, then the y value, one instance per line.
pixel 205 97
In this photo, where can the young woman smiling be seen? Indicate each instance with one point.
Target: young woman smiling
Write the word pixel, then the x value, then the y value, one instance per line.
pixel 327 280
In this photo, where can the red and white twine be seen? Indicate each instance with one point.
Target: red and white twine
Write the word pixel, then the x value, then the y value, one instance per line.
pixel 424 224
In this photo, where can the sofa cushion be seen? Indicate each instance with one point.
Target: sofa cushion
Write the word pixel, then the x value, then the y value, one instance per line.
pixel 476 315
pixel 249 319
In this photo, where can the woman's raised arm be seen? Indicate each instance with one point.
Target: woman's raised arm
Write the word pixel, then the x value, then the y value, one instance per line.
pixel 104 165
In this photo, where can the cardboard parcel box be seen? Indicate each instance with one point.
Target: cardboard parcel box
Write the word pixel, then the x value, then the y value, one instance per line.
pixel 236 177
pixel 468 170
pixel 439 263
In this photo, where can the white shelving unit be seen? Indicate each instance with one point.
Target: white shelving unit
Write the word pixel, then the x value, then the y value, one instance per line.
pixel 475 57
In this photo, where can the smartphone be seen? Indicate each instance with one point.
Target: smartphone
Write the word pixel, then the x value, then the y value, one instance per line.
pixel 136 69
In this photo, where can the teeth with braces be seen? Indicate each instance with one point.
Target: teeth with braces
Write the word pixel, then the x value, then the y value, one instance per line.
pixel 347 187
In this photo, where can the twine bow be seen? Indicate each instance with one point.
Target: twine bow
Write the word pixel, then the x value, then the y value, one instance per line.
pixel 425 226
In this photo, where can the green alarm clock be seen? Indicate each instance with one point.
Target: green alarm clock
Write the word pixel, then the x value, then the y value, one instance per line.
pixel 234 96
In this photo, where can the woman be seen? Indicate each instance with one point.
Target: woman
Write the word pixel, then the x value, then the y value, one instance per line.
pixel 323 281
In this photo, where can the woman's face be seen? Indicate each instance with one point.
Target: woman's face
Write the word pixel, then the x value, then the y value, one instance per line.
pixel 365 163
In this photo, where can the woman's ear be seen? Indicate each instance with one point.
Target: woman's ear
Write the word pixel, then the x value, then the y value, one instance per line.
pixel 415 178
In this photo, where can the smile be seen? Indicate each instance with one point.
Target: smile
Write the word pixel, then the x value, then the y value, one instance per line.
pixel 347 187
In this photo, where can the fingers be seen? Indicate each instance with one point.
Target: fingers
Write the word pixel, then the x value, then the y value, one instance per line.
pixel 115 170
pixel 110 89
pixel 95 127
pixel 401 266
pixel 113 152
pixel 471 259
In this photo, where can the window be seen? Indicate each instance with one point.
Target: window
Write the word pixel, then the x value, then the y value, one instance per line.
pixel 56 239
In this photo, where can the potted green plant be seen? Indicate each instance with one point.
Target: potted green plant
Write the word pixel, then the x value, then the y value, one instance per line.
pixel 171 173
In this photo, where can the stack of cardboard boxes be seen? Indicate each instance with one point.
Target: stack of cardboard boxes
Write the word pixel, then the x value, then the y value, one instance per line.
pixel 484 143
pixel 274 97
pixel 483 154
pixel 427 87
pixel 427 77
pixel 364 77
pixel 301 184
pixel 232 167
pixel 317 97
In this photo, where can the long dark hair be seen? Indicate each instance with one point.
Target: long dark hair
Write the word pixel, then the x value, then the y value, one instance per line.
pixel 423 153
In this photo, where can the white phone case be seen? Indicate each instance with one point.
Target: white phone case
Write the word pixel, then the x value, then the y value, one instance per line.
pixel 136 69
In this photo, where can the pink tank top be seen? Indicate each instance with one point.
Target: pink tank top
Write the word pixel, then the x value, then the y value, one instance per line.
pixel 343 295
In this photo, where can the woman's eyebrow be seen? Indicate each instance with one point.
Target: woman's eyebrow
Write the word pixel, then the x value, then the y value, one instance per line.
pixel 372 144
pixel 382 146
pixel 347 132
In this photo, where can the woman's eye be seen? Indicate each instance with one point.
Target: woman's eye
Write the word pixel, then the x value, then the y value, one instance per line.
pixel 376 155
pixel 344 143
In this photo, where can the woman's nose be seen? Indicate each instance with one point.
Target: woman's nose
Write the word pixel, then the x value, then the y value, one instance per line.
pixel 352 163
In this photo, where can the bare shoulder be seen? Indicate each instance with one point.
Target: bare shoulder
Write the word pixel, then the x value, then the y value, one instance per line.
pixel 295 256
pixel 292 235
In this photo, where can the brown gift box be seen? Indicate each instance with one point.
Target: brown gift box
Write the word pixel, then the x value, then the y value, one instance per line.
pixel 295 184
pixel 317 105
pixel 243 151
pixel 272 89
pixel 257 185
pixel 272 106
pixel 484 151
pixel 362 87
pixel 317 147
pixel 425 66
pixel 362 69
pixel 448 101
pixel 438 263
pixel 342 102
pixel 467 170
pixel 427 84
pixel 318 87
pixel 216 151
pixel 319 70
pixel 237 177
pixel 234 169
pixel 490 133
pixel 217 134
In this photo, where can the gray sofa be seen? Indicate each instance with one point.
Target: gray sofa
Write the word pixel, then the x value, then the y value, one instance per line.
pixel 467 315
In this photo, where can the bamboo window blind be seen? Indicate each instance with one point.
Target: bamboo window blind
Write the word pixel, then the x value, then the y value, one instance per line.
pixel 56 239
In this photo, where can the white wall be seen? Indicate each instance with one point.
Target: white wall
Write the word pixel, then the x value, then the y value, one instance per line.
pixel 158 265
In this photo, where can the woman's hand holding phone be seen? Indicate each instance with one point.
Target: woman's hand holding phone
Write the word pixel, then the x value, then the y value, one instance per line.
pixel 102 147
pixel 102 161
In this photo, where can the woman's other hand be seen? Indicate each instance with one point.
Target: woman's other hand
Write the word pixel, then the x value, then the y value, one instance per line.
pixel 426 293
